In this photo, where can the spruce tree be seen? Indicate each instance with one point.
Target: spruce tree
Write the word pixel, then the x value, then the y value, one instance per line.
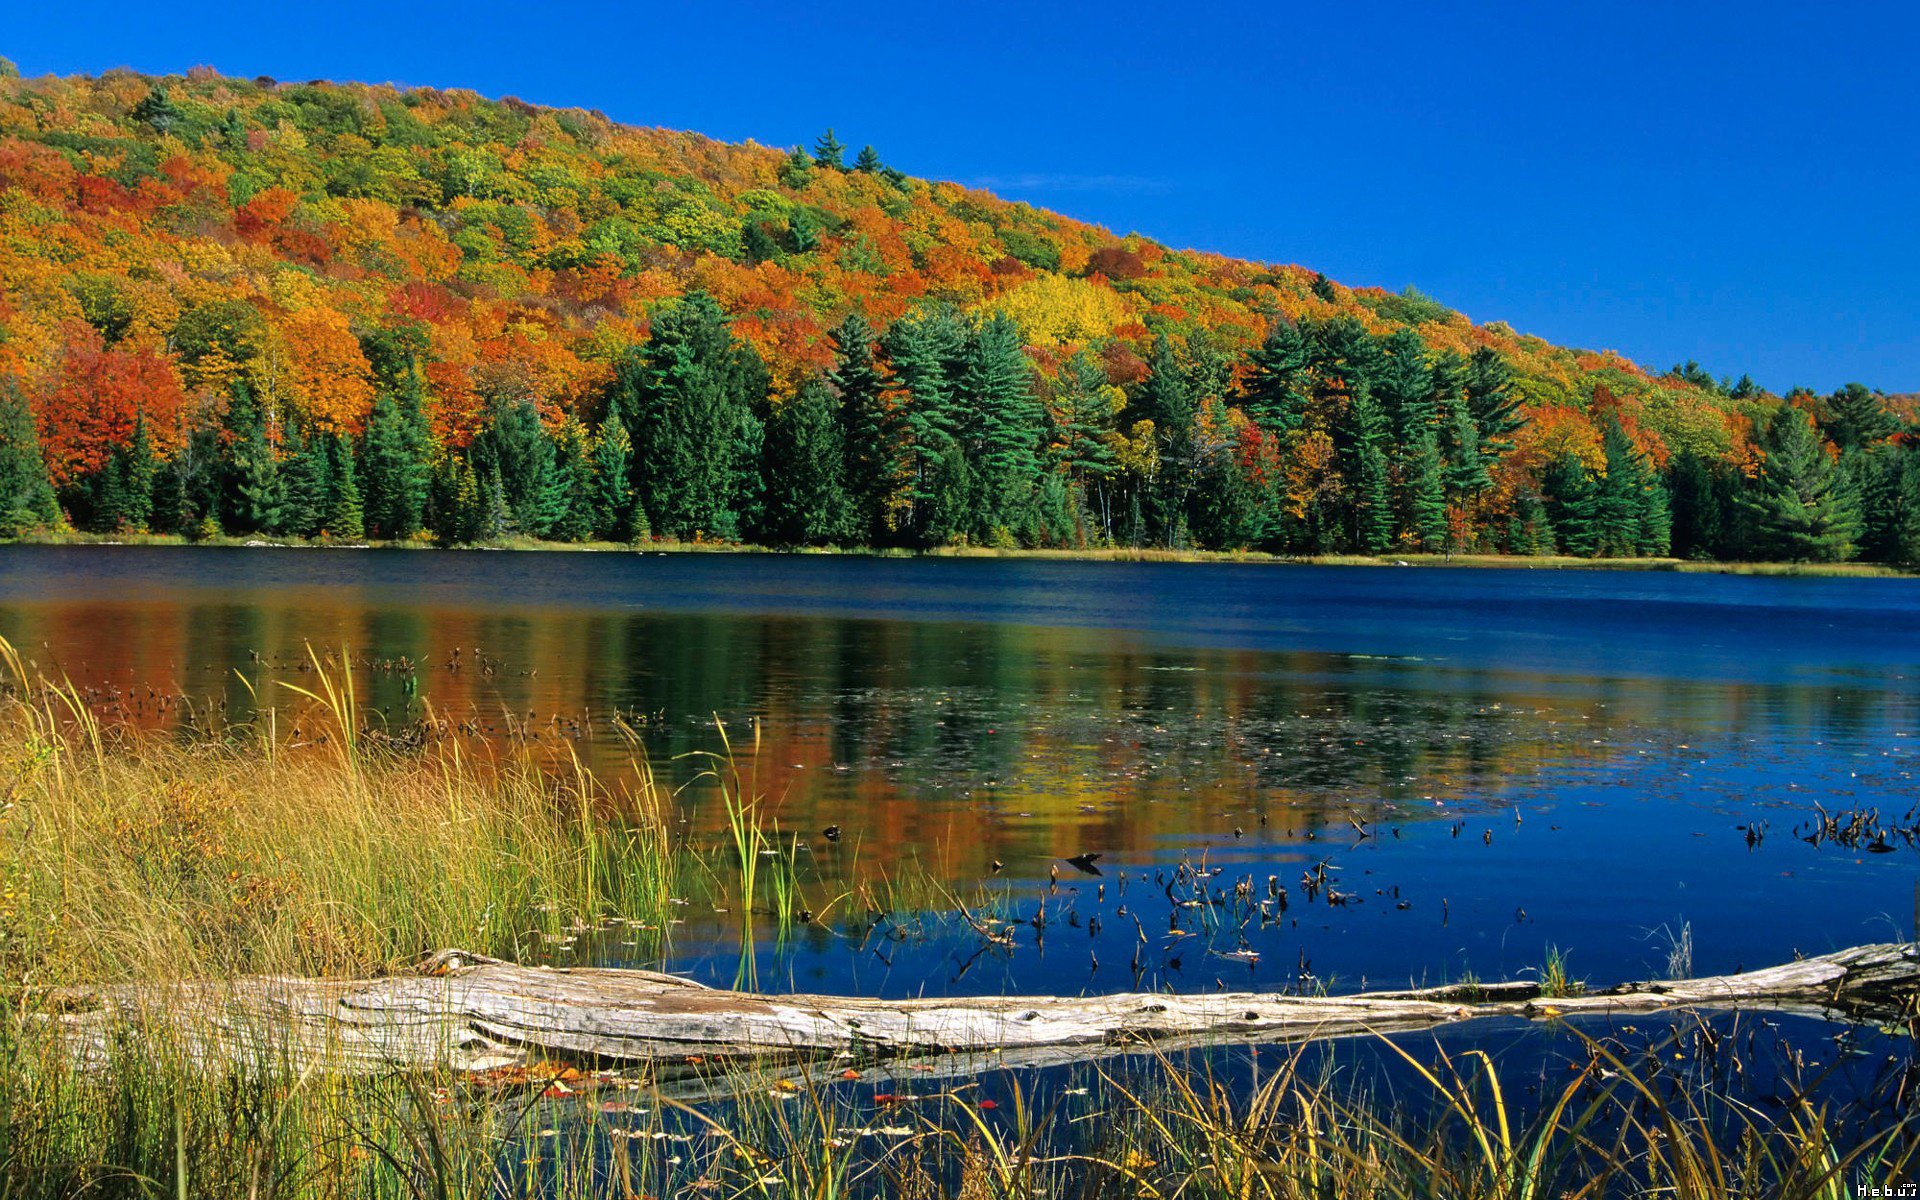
pixel 1907 523
pixel 829 153
pixel 868 161
pixel 343 517
pixel 26 496
pixel 1619 496
pixel 250 492
pixel 1079 446
pixel 1568 495
pixel 805 462
pixel 123 491
pixel 570 507
pixel 1276 393
pixel 307 482
pixel 1698 525
pixel 869 431
pixel 1858 417
pixel 613 497
pixel 693 394
pixel 923 356
pixel 395 461
pixel 1004 421
pixel 1801 504
pixel 1424 494
pixel 1167 399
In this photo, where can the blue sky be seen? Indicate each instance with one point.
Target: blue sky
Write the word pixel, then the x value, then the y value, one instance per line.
pixel 1737 184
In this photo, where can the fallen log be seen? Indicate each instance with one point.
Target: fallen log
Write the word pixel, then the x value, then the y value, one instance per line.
pixel 469 1012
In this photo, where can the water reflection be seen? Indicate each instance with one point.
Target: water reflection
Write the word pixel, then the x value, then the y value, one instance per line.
pixel 1491 762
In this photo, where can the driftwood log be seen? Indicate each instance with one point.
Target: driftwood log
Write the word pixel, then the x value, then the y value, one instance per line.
pixel 468 1012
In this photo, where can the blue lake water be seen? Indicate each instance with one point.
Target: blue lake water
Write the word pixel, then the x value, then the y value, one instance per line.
pixel 1488 764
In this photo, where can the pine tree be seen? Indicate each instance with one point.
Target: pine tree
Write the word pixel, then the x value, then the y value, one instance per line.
pixel 868 162
pixel 395 463
pixel 1493 403
pixel 570 506
pixel 805 458
pixel 1405 389
pixel 1569 499
pixel 516 450
pixel 1167 399
pixel 1698 524
pixel 1078 447
pixel 1619 495
pixel 1907 538
pixel 798 169
pixel 1375 504
pixel 1276 392
pixel 829 153
pixel 250 485
pixel 124 489
pixel 693 396
pixel 1423 488
pixel 613 497
pixel 26 496
pixel 307 480
pixel 869 432
pixel 1858 417
pixel 343 517
pixel 1800 501
pixel 1004 419
pixel 923 355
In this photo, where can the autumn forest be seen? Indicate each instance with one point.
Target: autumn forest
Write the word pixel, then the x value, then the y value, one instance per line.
pixel 236 307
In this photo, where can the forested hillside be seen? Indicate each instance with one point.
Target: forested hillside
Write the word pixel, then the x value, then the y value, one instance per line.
pixel 242 306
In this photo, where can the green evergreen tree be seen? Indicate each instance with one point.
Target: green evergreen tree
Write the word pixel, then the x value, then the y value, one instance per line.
pixel 343 518
pixel 1424 494
pixel 798 169
pixel 1276 391
pixel 124 489
pixel 613 495
pixel 805 457
pixel 924 355
pixel 1004 421
pixel 250 492
pixel 1568 495
pixel 1494 404
pixel 571 506
pixel 829 153
pixel 1858 417
pixel 516 451
pixel 1801 504
pixel 1699 520
pixel 868 161
pixel 693 395
pixel 869 432
pixel 1619 495
pixel 26 496
pixel 395 462
pixel 1168 399
pixel 1079 447
pixel 307 485
pixel 1907 524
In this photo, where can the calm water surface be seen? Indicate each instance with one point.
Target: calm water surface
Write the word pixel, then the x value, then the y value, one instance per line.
pixel 1487 763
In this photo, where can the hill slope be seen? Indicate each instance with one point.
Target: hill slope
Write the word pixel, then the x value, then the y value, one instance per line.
pixel 278 266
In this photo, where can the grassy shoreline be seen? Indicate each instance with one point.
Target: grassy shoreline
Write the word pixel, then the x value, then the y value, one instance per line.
pixel 1127 554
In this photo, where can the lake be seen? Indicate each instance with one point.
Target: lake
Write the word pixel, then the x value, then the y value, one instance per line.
pixel 1476 767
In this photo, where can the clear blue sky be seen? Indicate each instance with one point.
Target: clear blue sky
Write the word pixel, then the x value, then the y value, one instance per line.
pixel 1739 183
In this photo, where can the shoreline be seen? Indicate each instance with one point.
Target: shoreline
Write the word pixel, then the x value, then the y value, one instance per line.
pixel 1127 554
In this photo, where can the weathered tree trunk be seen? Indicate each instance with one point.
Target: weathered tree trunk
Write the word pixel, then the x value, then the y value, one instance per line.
pixel 466 1011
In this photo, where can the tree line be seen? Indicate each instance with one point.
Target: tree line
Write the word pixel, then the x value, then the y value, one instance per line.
pixel 941 430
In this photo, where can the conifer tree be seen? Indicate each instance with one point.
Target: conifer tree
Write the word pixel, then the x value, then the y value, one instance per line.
pixel 1800 500
pixel 807 503
pixel 1079 449
pixel 1493 403
pixel 868 161
pixel 570 507
pixel 1424 494
pixel 829 153
pixel 250 485
pixel 693 393
pixel 1276 394
pixel 1858 417
pixel 923 355
pixel 26 496
pixel 307 481
pixel 343 518
pixel 869 431
pixel 395 463
pixel 1004 420
pixel 1167 399
pixel 1569 500
pixel 613 496
pixel 124 489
